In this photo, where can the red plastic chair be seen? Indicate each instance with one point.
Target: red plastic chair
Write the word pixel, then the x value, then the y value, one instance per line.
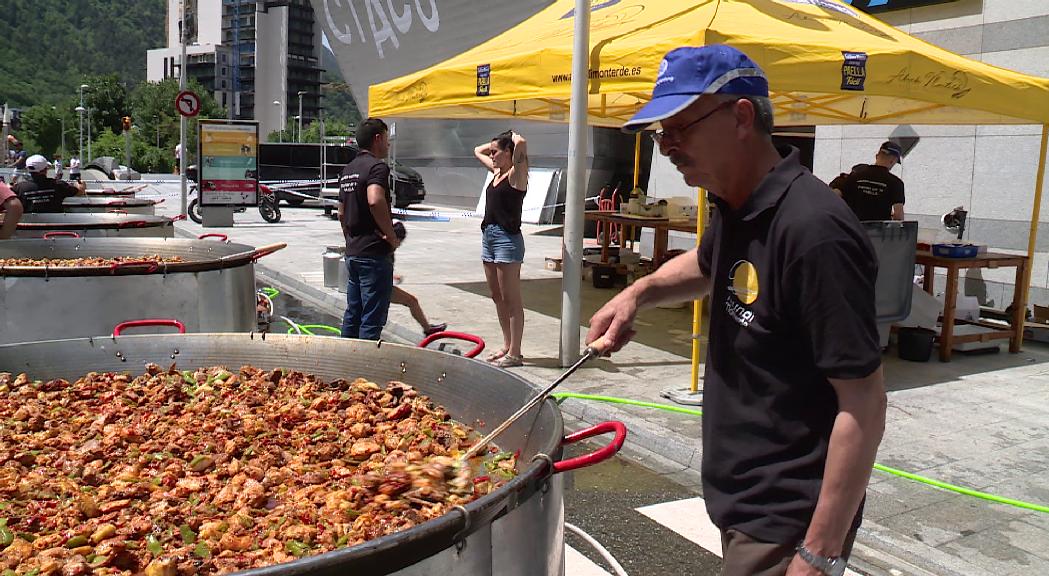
pixel 615 231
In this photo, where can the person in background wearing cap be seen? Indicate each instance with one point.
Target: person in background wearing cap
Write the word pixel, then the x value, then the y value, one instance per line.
pixel 794 396
pixel 42 194
pixel 871 190
pixel 11 209
pixel 18 156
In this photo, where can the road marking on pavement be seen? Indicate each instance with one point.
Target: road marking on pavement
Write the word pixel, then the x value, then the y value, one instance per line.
pixel 578 565
pixel 689 519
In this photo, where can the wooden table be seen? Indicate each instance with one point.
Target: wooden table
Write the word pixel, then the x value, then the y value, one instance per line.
pixel 953 266
pixel 661 226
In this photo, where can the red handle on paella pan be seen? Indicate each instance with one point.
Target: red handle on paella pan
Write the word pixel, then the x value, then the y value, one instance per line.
pixel 150 264
pixel 60 234
pixel 456 336
pixel 598 455
pixel 179 217
pixel 221 237
pixel 149 322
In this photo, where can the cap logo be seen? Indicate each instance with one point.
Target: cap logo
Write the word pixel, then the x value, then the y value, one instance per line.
pixel 662 77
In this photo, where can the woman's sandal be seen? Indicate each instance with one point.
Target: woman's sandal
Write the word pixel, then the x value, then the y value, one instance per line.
pixel 509 361
pixel 496 355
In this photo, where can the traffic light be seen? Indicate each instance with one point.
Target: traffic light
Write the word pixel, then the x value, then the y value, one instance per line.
pixel 126 123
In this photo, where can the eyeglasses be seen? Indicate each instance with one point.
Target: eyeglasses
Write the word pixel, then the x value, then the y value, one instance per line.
pixel 675 134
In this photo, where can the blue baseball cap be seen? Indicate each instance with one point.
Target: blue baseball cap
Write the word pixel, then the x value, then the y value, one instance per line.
pixel 689 72
pixel 893 149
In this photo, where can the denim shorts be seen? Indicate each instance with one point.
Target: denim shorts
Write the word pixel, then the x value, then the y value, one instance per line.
pixel 500 247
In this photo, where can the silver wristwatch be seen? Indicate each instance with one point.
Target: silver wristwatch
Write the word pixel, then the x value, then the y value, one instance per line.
pixel 828 566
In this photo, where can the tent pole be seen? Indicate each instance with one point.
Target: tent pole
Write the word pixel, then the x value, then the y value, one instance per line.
pixel 697 305
pixel 637 159
pixel 1032 238
pixel 693 396
pixel 572 242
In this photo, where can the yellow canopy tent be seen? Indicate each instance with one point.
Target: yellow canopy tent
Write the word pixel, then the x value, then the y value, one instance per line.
pixel 827 63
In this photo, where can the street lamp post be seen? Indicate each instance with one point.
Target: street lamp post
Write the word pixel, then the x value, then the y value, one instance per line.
pixel 301 94
pixel 280 120
pixel 80 109
pixel 88 134
pixel 80 151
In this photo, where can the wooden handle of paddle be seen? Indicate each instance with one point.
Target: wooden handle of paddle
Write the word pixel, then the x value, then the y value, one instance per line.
pixel 601 345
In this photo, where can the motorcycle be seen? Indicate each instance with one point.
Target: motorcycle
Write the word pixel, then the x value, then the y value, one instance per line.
pixel 268 203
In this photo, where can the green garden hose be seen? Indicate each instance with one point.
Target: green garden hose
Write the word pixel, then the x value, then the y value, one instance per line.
pixel 562 396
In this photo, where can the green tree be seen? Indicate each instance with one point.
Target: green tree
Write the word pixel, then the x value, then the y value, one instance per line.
pixel 107 99
pixel 145 157
pixel 42 129
pixel 312 132
pixel 48 46
pixel 338 101
pixel 153 108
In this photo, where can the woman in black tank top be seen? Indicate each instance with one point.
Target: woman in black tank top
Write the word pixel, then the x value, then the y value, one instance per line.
pixel 502 245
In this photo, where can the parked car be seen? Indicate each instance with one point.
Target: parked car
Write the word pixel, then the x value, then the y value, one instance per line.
pixel 125 173
pixel 408 187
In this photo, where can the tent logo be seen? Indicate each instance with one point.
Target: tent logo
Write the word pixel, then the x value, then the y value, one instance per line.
pixel 484 79
pixel 853 71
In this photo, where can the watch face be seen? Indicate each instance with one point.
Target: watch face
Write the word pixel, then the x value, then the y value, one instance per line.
pixel 837 567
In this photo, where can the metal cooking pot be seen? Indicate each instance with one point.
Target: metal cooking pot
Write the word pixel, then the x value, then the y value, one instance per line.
pixel 104 204
pixel 120 225
pixel 212 291
pixel 516 530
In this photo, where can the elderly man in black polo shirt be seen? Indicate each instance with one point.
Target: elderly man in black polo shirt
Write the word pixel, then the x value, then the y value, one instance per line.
pixel 794 394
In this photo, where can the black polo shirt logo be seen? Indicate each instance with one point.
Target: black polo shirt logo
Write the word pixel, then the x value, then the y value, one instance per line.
pixel 742 292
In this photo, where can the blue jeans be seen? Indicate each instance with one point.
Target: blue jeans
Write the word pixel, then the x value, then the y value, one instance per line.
pixel 367 296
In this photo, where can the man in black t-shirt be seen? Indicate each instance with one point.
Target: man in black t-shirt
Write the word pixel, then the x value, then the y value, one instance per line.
pixel 40 194
pixel 367 224
pixel 871 190
pixel 794 397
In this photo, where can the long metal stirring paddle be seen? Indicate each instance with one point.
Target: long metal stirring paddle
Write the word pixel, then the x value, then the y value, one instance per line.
pixel 595 349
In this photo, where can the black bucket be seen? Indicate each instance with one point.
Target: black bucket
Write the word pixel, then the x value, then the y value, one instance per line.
pixel 915 344
pixel 604 276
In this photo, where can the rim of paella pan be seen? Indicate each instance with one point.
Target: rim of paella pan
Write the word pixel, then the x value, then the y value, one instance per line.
pixel 198 255
pixel 110 202
pixel 73 222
